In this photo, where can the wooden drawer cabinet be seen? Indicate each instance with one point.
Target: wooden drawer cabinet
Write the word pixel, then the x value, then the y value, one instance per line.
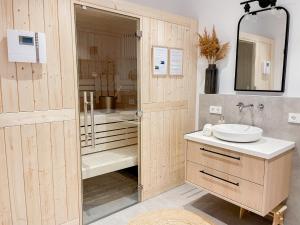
pixel 240 165
pixel 234 188
pixel 253 183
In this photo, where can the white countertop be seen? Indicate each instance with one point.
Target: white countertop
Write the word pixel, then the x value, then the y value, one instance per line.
pixel 266 148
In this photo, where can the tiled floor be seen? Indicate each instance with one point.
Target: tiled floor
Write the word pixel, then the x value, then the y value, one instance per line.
pixel 189 198
pixel 108 193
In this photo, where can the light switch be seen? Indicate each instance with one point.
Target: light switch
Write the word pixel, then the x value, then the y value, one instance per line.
pixel 215 110
pixel 294 118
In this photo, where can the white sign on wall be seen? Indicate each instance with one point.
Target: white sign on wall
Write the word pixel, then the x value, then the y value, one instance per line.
pixel 176 62
pixel 160 60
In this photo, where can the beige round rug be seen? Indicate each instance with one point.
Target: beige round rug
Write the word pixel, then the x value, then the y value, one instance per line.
pixel 169 217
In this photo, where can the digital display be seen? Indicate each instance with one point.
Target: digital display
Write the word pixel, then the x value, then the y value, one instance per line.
pixel 26 40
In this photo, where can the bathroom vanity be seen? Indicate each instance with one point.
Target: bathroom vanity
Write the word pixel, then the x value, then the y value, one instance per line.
pixel 254 176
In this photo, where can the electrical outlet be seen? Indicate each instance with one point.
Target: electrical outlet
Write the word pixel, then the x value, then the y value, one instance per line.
pixel 215 110
pixel 294 118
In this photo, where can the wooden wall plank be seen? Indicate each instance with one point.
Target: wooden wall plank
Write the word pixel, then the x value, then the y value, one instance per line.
pixel 191 82
pixel 9 89
pixel 5 212
pixel 25 87
pixel 24 70
pixel 173 128
pixel 53 54
pixel 168 89
pixel 39 71
pixel 31 174
pixel 165 106
pixel 145 152
pixel 16 175
pixel 23 118
pixel 72 169
pixel 43 134
pixel 59 172
pixel 145 61
pixel 167 148
pixel 66 59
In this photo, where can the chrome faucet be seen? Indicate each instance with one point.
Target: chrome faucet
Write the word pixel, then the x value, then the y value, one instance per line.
pixel 243 106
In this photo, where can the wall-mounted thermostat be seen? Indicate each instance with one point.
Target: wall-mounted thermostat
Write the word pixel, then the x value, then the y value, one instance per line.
pixel 26 46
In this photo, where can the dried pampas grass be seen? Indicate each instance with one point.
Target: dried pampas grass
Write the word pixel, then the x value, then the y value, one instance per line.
pixel 210 47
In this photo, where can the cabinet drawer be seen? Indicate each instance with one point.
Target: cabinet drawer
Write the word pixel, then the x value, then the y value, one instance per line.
pixel 233 188
pixel 236 164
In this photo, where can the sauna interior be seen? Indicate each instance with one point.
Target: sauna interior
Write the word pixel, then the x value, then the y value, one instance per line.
pixel 108 97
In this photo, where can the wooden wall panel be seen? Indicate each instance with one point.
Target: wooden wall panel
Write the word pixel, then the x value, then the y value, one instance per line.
pixel 45 173
pixel 24 71
pixel 39 71
pixel 168 103
pixel 59 172
pixel 145 61
pixel 71 157
pixel 162 151
pixel 5 212
pixel 39 152
pixel 8 74
pixel 14 156
pixel 53 54
pixel 31 174
pixel 66 53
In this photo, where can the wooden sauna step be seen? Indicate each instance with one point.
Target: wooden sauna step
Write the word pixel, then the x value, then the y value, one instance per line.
pixel 109 161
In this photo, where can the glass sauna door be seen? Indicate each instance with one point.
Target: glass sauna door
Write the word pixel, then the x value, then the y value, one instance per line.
pixel 109 123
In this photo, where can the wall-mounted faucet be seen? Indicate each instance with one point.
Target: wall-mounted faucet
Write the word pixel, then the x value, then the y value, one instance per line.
pixel 261 107
pixel 243 106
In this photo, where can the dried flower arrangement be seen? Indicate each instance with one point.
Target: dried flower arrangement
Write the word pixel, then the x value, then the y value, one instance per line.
pixel 210 47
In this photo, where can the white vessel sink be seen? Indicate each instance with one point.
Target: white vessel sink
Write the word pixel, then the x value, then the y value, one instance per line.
pixel 237 133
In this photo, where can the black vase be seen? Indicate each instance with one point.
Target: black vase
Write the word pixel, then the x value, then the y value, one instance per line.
pixel 211 79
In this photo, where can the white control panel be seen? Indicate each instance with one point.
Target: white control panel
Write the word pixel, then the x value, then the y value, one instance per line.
pixel 215 110
pixel 26 46
pixel 294 118
pixel 266 67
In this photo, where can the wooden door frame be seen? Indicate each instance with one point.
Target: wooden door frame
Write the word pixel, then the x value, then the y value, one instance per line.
pixel 77 107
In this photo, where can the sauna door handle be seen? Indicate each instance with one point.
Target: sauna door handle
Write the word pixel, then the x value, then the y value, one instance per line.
pixel 219 178
pixel 85 108
pixel 85 105
pixel 92 118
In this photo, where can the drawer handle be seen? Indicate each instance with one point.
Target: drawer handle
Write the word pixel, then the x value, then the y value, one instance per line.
pixel 220 178
pixel 217 153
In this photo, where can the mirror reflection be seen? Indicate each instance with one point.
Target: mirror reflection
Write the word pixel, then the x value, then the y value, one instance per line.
pixel 262 44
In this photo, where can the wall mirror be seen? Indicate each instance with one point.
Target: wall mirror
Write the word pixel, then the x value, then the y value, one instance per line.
pixel 262 46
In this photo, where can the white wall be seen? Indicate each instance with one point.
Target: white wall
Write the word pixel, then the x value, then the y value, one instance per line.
pixel 225 15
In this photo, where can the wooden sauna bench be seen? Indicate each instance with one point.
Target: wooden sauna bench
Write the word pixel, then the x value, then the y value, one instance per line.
pixel 116 142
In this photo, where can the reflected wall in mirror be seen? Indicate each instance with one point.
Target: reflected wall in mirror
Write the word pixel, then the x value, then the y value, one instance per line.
pixel 262 50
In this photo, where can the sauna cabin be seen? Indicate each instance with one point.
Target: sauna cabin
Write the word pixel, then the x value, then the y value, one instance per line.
pixel 108 98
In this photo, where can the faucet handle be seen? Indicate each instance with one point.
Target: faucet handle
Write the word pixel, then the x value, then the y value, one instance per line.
pixel 261 107
pixel 240 104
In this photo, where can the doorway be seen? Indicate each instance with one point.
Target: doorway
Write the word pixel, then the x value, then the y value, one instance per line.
pixel 107 59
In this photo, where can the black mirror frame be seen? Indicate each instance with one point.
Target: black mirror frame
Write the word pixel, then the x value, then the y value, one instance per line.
pixel 285 50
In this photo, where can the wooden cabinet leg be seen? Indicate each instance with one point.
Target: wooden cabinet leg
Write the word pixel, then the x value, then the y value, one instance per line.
pixel 278 215
pixel 242 212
